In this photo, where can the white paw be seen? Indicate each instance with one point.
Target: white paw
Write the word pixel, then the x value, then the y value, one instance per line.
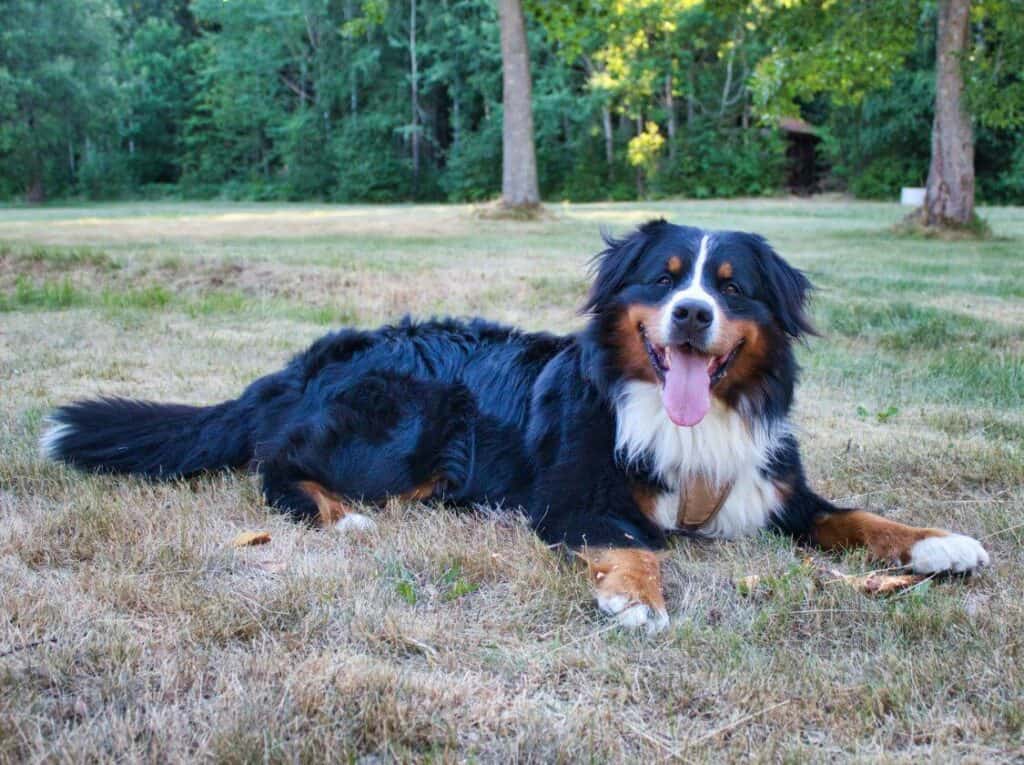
pixel 355 522
pixel 955 552
pixel 632 615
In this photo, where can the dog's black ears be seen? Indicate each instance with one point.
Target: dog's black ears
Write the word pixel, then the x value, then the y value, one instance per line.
pixel 612 265
pixel 787 289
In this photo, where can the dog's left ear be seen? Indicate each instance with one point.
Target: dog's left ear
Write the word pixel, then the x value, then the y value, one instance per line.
pixel 612 265
pixel 788 289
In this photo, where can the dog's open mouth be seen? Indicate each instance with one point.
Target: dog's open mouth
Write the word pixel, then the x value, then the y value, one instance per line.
pixel 687 374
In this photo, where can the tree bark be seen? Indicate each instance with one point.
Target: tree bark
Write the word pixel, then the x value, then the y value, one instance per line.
pixel 949 197
pixel 353 84
pixel 640 193
pixel 691 97
pixel 609 140
pixel 34 191
pixel 519 161
pixel 415 98
pixel 606 126
pixel 670 110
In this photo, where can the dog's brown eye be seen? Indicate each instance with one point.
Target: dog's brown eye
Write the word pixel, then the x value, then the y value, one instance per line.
pixel 665 280
pixel 731 288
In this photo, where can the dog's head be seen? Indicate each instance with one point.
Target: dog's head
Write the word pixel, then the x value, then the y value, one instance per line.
pixel 700 313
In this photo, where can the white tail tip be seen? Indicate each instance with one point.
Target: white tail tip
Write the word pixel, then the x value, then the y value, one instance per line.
pixel 49 442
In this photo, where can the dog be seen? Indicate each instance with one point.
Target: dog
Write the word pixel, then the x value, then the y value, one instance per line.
pixel 667 414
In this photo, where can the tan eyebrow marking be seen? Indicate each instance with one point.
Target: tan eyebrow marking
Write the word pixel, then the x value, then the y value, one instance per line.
pixel 725 271
pixel 675 265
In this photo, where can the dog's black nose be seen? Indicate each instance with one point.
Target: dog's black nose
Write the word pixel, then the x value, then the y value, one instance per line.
pixel 692 316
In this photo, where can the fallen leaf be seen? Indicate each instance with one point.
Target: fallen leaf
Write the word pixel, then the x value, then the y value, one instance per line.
pixel 251 538
pixel 747 584
pixel 873 583
pixel 881 584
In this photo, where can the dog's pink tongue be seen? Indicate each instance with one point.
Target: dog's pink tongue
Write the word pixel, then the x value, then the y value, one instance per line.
pixel 687 391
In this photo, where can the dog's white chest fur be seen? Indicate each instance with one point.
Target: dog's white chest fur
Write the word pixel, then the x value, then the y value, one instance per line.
pixel 722 447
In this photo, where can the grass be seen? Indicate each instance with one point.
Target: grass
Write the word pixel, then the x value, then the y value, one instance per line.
pixel 130 629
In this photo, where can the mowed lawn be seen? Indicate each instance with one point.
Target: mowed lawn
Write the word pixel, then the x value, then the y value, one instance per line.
pixel 131 629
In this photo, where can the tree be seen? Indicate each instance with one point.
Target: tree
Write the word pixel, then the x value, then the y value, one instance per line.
pixel 57 94
pixel 519 161
pixel 845 50
pixel 949 196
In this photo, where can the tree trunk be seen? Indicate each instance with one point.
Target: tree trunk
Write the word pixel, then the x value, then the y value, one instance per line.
pixel 34 192
pixel 609 140
pixel 640 193
pixel 415 98
pixel 353 83
pixel 949 197
pixel 606 126
pixel 691 96
pixel 519 161
pixel 670 110
pixel 455 94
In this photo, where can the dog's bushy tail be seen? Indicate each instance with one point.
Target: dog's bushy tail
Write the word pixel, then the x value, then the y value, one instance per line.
pixel 116 435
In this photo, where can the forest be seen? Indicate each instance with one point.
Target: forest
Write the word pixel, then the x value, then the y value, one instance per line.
pixel 380 100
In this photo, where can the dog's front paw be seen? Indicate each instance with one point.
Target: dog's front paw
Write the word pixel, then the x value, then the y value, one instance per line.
pixel 954 553
pixel 631 614
pixel 627 584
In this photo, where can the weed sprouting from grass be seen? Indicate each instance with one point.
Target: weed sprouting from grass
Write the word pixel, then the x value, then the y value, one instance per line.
pixel 49 296
pixel 62 294
pixel 57 257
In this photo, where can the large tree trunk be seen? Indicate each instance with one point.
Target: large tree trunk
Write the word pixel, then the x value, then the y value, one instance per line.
pixel 949 198
pixel 519 162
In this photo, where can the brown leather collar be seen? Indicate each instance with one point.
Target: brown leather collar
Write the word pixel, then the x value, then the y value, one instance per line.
pixel 699 502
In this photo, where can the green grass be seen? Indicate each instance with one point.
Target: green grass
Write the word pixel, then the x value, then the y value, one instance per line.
pixel 130 628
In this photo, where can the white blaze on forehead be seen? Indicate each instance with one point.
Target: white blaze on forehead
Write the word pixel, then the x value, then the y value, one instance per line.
pixel 693 290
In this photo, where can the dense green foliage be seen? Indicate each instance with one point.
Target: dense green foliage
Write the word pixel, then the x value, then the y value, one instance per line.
pixel 371 100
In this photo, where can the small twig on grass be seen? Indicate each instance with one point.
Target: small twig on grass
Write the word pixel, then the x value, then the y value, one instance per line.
pixel 913 587
pixel 1003 531
pixel 673 753
pixel 851 497
pixel 26 646
pixel 736 723
pixel 595 633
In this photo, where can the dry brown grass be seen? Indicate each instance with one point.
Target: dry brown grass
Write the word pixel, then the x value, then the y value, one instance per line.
pixel 132 629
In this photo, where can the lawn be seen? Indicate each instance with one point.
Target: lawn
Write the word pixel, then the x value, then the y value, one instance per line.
pixel 131 629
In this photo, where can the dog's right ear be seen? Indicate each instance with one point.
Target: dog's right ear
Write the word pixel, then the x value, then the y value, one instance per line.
pixel 612 265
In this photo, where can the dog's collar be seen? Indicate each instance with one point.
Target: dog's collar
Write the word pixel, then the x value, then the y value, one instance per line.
pixel 699 502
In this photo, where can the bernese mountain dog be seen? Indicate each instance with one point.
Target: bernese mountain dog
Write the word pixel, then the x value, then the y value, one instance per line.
pixel 667 414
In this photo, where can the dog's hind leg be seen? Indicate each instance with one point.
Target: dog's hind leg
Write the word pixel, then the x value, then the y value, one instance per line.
pixel 309 500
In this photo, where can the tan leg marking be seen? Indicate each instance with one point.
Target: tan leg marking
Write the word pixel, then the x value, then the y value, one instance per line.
pixel 884 539
pixel 332 507
pixel 646 498
pixel 627 584
pixel 925 551
pixel 419 493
